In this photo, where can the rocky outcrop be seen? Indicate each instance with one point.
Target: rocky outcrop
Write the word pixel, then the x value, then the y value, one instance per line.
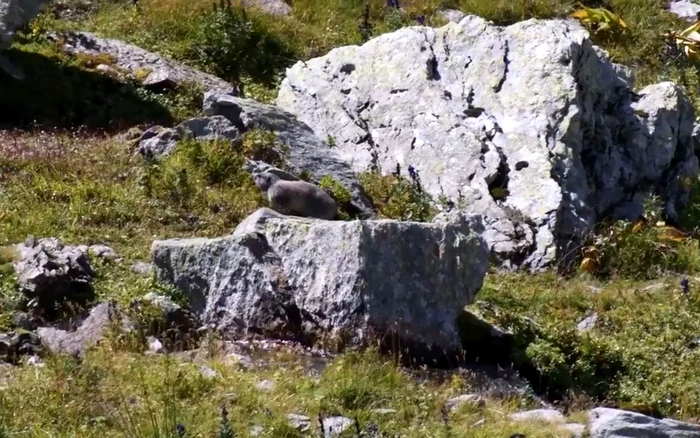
pixel 15 14
pixel 52 275
pixel 306 151
pixel 152 70
pixel 614 423
pixel 331 280
pixel 529 125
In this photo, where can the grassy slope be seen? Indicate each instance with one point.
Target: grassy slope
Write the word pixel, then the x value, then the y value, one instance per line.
pixel 88 188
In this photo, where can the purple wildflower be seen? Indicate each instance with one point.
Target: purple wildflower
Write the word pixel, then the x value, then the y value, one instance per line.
pixel 393 3
pixel 180 430
pixel 421 20
pixel 685 285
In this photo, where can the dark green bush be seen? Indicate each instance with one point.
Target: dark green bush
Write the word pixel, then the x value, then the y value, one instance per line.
pixel 232 44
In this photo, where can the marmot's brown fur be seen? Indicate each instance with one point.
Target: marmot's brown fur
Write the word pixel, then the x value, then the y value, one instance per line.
pixel 298 198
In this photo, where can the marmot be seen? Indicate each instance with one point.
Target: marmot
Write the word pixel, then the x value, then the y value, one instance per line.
pixel 298 198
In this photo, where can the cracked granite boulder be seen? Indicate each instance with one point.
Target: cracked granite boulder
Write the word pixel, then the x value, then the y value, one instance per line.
pixel 332 281
pixel 529 125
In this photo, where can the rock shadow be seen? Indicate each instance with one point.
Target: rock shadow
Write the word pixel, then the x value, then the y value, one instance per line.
pixel 59 94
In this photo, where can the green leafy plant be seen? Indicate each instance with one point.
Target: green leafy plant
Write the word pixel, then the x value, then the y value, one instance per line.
pixel 232 43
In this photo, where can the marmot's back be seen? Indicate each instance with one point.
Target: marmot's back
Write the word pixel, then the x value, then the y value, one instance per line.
pixel 302 198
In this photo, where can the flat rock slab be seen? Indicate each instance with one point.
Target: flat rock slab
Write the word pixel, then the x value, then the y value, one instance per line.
pixel 337 280
pixel 529 125
pixel 150 68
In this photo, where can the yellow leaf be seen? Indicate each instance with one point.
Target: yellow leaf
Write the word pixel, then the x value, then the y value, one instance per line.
pixel 672 234
pixel 582 14
pixel 589 265
pixel 638 226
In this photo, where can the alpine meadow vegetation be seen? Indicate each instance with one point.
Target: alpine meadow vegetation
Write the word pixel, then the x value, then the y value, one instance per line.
pixel 65 173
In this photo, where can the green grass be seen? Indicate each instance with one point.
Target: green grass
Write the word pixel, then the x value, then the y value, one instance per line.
pixel 85 186
pixel 115 394
pixel 640 355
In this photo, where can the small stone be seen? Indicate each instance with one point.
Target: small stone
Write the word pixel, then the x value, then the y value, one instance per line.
pixel 266 385
pixel 162 302
pixel 241 360
pixel 301 422
pixel 102 251
pixel 334 426
pixel 207 372
pixel 256 430
pixel 154 345
pixel 549 415
pixel 588 323
pixel 457 402
pixel 35 361
pixel 142 268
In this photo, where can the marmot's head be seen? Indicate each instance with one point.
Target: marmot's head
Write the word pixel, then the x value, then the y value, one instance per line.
pixel 265 180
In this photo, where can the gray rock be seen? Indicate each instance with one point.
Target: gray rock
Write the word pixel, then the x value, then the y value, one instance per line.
pixel 162 302
pixel 35 361
pixel 208 373
pixel 157 141
pixel 152 69
pixel 549 415
pixel 301 422
pixel 142 268
pixel 51 273
pixel 266 385
pixel 353 279
pixel 89 333
pixel 15 14
pixel 457 402
pixel 245 362
pixel 154 345
pixel 541 135
pixel 307 152
pixel 256 430
pixel 452 15
pixel 587 323
pixel 334 426
pixel 685 9
pixel 271 7
pixel 614 423
pixel 102 251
